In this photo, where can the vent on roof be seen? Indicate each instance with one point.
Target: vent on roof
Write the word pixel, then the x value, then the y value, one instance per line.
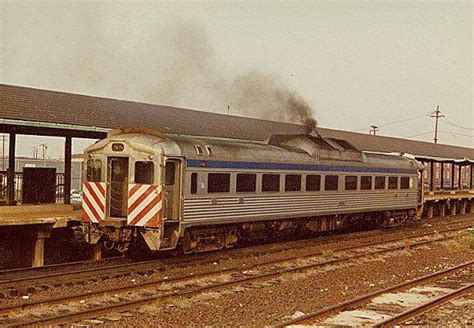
pixel 210 151
pixel 321 143
pixel 199 150
pixel 345 144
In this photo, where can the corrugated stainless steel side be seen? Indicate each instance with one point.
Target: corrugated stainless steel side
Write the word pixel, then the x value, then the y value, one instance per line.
pixel 311 205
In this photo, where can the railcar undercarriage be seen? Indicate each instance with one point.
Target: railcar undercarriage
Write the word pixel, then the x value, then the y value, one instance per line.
pixel 217 237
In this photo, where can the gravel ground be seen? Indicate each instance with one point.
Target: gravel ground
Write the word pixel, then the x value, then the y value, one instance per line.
pixel 265 304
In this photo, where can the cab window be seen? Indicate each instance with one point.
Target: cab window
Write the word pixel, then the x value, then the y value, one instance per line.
pixel 144 172
pixel 94 170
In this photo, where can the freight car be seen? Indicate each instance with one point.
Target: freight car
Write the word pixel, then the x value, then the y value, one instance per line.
pixel 169 191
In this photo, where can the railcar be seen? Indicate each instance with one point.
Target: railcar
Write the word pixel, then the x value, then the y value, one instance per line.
pixel 169 191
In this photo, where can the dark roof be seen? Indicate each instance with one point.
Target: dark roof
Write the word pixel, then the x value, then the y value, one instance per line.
pixel 38 105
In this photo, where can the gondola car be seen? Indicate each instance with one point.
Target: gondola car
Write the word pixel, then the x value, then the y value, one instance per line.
pixel 169 191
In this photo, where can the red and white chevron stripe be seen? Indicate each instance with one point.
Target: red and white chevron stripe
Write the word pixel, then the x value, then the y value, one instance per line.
pixel 93 201
pixel 144 205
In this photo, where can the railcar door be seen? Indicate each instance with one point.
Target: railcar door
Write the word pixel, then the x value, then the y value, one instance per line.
pixel 117 181
pixel 172 188
pixel 420 187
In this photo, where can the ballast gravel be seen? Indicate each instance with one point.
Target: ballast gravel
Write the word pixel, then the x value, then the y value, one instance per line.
pixel 263 304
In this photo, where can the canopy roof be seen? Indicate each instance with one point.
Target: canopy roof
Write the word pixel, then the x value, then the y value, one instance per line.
pixel 23 106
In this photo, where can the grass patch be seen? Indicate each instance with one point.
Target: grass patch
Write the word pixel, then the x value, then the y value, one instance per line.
pixel 470 240
pixel 407 244
pixel 328 253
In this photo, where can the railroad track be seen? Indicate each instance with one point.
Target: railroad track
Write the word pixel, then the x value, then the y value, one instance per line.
pixel 57 267
pixel 72 308
pixel 396 304
pixel 72 267
pixel 54 276
pixel 29 284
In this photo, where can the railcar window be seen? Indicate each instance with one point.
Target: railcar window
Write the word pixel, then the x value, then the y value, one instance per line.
pixel 404 183
pixel 392 182
pixel 293 182
pixel 330 182
pixel 218 182
pixel 313 182
pixel 94 170
pixel 365 183
pixel 379 182
pixel 170 169
pixel 194 183
pixel 351 182
pixel 270 182
pixel 246 183
pixel 144 172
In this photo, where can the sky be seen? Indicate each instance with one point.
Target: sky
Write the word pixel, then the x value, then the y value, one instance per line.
pixel 352 64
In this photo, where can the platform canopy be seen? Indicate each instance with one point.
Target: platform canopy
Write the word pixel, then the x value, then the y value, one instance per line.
pixel 87 116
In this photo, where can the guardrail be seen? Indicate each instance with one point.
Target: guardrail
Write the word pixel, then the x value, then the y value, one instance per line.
pixel 18 181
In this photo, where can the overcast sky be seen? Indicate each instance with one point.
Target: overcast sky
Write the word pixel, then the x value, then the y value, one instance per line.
pixel 354 63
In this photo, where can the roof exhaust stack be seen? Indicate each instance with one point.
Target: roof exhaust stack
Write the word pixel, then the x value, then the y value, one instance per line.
pixel 318 147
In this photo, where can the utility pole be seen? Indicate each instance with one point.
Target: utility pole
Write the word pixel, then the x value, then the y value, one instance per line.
pixel 4 139
pixel 373 130
pixel 436 114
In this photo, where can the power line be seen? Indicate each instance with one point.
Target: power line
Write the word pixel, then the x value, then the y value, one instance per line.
pixel 456 125
pixel 404 120
pixel 399 121
pixel 419 134
pixel 458 134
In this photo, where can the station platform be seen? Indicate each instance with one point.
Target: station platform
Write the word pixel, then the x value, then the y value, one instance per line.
pixel 438 203
pixel 448 195
pixel 25 227
pixel 57 215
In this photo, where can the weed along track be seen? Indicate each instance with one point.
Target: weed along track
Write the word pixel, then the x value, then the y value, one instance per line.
pixel 80 306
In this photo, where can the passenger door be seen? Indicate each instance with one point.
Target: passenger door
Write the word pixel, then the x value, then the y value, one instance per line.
pixel 117 182
pixel 172 188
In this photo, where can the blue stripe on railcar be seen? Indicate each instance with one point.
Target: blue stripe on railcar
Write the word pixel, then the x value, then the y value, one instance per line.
pixel 292 167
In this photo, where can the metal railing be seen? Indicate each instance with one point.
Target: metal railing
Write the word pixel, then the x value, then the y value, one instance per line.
pixel 18 182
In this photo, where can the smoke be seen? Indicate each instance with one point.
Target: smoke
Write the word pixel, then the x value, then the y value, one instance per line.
pixel 101 50
pixel 256 94
pixel 264 95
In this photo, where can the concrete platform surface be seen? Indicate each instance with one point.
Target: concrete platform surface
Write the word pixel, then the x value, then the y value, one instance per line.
pixel 446 195
pixel 58 215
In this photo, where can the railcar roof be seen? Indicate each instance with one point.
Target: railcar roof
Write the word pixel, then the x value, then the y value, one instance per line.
pixel 233 150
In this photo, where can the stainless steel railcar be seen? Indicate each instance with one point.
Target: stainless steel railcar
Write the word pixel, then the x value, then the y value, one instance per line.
pixel 203 193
